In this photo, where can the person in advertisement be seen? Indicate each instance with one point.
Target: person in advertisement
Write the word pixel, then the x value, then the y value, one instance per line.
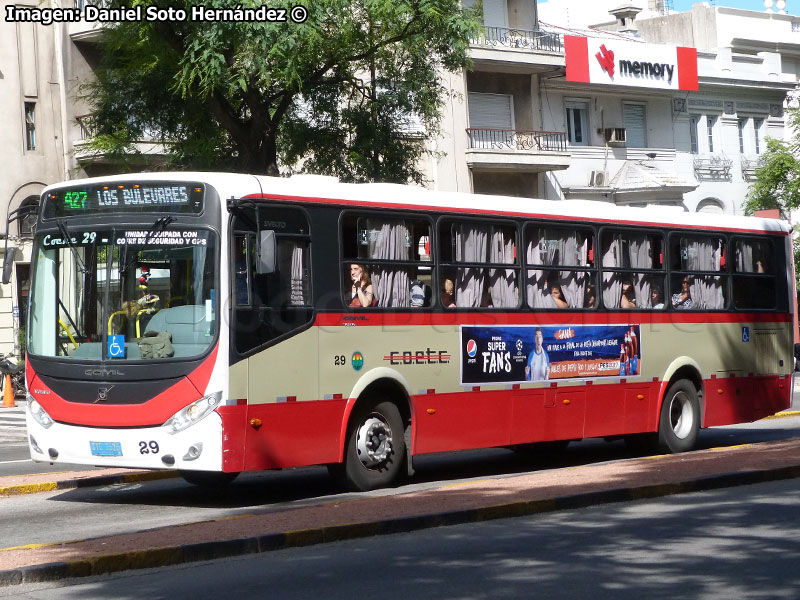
pixel 538 367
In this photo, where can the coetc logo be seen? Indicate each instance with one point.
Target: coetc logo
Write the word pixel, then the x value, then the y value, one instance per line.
pixel 472 348
pixel 357 360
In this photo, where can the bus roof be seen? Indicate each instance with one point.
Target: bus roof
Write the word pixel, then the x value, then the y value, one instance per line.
pixel 329 190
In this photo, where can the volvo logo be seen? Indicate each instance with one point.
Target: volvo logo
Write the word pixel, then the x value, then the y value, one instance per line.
pixel 103 372
pixel 102 394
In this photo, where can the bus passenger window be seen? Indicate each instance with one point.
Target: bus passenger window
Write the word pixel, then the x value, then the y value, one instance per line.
pixel 394 257
pixel 754 281
pixel 557 288
pixel 465 248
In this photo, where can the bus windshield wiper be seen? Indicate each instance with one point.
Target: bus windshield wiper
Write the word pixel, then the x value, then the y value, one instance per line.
pixel 159 226
pixel 62 228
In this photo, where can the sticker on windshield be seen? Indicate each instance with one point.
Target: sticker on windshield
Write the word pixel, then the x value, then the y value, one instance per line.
pixel 116 346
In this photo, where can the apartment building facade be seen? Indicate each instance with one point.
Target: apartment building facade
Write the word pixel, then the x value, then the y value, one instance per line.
pixel 642 143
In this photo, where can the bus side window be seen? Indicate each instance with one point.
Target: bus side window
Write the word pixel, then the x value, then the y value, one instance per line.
pixel 393 258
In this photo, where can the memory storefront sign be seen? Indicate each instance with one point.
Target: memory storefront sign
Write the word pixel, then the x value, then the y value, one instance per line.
pixel 613 62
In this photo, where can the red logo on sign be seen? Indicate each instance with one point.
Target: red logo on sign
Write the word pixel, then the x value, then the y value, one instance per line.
pixel 606 59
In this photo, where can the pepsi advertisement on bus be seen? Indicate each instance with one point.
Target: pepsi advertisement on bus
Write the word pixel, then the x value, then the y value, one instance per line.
pixel 521 354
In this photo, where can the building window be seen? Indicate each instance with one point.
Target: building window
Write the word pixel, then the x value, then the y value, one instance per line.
pixel 757 124
pixel 711 120
pixel 742 125
pixel 577 123
pixel 635 125
pixel 30 126
pixel 694 122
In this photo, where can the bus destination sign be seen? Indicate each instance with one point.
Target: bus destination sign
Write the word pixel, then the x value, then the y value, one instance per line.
pixel 178 197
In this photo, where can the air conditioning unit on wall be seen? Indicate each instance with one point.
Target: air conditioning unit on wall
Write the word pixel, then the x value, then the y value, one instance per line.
pixel 614 135
pixel 598 179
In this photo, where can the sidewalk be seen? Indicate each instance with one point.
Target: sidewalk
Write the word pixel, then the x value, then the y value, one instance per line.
pixel 493 498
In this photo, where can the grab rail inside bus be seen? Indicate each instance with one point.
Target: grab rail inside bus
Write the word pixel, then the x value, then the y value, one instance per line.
pixel 140 312
pixel 68 332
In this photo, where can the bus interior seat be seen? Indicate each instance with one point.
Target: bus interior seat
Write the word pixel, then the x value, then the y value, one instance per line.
pixel 188 327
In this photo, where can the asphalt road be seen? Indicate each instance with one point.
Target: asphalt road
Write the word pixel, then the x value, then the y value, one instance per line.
pixel 733 543
pixel 120 508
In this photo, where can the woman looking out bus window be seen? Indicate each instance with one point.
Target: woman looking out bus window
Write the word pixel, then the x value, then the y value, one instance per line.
pixel 362 293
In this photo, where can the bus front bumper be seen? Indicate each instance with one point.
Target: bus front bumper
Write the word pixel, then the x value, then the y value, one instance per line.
pixel 198 447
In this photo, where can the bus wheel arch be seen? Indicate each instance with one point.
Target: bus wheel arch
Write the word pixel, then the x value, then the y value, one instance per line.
pixel 376 436
pixel 680 413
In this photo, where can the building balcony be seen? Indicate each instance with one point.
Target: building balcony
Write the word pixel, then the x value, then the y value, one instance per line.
pixel 713 168
pixel 517 50
pixel 749 167
pixel 532 151
pixel 145 152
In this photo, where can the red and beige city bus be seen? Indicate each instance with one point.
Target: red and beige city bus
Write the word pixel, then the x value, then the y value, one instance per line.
pixel 219 323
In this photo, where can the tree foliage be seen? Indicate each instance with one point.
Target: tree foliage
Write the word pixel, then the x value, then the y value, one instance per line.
pixel 777 183
pixel 335 94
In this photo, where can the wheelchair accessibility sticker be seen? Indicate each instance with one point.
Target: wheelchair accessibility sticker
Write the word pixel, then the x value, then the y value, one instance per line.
pixel 116 346
pixel 745 334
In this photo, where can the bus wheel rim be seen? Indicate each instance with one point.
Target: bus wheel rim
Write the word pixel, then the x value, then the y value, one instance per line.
pixel 374 442
pixel 680 415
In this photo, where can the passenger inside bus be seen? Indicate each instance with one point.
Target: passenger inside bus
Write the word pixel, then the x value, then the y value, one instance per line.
pixel 449 294
pixel 557 294
pixel 362 293
pixel 683 299
pixel 656 297
pixel 590 297
pixel 628 298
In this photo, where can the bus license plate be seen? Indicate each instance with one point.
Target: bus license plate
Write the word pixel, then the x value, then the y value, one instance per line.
pixel 106 448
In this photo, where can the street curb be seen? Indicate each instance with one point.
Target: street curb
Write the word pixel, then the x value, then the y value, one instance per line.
pixel 69 484
pixel 202 551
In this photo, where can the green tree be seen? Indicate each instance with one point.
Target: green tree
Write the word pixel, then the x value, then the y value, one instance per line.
pixel 777 183
pixel 336 93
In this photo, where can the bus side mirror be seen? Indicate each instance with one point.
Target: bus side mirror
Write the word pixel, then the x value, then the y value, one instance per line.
pixel 265 259
pixel 8 264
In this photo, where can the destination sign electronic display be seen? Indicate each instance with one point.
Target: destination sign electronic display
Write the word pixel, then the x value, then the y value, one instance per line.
pixel 169 197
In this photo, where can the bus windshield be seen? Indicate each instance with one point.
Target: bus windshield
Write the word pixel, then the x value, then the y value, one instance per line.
pixel 123 294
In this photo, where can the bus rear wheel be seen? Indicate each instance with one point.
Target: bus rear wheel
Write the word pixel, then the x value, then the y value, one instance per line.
pixel 208 479
pixel 679 423
pixel 375 448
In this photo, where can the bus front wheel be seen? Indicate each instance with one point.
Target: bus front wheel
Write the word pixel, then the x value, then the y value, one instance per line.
pixel 679 423
pixel 375 447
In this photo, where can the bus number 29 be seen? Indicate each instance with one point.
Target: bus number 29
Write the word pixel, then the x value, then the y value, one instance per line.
pixel 148 447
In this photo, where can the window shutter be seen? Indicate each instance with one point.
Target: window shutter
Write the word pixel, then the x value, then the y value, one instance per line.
pixel 491 111
pixel 636 133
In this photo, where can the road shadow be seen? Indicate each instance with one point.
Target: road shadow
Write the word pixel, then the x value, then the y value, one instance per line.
pixel 294 488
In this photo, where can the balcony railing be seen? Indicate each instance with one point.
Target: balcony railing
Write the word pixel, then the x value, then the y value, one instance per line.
pixel 714 168
pixel 511 139
pixel 749 167
pixel 519 38
pixel 86 124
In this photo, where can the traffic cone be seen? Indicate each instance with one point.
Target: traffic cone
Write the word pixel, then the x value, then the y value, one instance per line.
pixel 8 393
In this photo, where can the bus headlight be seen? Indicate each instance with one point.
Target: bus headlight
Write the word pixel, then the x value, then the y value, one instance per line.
pixel 193 413
pixel 38 413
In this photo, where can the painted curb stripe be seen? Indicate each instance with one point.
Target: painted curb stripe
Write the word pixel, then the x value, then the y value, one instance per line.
pixel 162 557
pixel 69 484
